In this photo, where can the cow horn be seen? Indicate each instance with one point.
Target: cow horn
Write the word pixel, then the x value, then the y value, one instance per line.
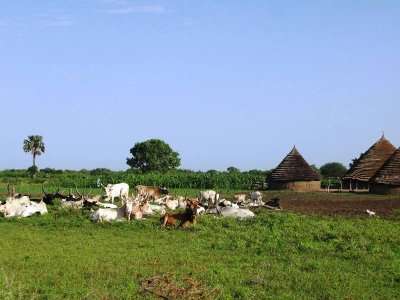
pixel 185 196
pixel 78 191
pixel 8 189
pixel 13 190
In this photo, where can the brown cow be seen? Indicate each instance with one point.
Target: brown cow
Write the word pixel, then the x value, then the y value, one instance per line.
pixel 150 192
pixel 186 218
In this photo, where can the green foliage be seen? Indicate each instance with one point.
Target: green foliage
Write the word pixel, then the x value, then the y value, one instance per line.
pixel 333 183
pixel 315 168
pixel 333 169
pixel 100 171
pixel 232 170
pixel 153 155
pixel 175 179
pixel 33 170
pixel 51 171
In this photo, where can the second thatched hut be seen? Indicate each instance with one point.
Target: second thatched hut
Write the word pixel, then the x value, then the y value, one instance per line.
pixel 387 179
pixel 295 174
pixel 360 174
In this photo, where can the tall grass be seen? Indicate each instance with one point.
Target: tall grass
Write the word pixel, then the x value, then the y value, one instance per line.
pixel 179 180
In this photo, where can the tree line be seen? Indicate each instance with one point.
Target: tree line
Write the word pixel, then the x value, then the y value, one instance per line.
pixel 155 155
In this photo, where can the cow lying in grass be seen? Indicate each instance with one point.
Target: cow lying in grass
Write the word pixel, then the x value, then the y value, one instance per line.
pixel 137 209
pixel 185 218
pixel 20 206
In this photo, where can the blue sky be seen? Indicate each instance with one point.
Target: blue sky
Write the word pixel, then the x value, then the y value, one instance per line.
pixel 225 83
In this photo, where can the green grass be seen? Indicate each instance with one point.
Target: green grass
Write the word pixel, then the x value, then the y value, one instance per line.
pixel 276 256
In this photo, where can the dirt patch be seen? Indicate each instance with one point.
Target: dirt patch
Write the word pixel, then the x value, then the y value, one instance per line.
pixel 341 204
pixel 166 286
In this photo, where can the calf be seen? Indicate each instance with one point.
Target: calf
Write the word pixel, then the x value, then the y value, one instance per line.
pixel 133 209
pixel 274 203
pixel 185 219
pixel 255 197
pixel 241 198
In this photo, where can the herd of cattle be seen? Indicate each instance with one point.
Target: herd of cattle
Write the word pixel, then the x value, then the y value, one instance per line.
pixel 149 200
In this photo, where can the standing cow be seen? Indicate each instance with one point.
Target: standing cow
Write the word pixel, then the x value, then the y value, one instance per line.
pixel 151 192
pixel 256 197
pixel 208 197
pixel 120 190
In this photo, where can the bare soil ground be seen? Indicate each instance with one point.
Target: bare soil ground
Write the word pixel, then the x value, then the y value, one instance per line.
pixel 344 204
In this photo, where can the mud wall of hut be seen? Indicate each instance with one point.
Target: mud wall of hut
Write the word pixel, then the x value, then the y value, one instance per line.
pixel 295 185
pixel 384 189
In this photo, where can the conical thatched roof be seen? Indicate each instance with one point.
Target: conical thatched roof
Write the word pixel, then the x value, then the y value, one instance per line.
pixel 371 161
pixel 294 168
pixel 390 172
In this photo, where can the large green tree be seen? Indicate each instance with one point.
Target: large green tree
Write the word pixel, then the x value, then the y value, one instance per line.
pixel 35 145
pixel 153 155
pixel 232 170
pixel 333 169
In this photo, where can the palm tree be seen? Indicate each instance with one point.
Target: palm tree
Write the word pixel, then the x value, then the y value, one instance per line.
pixel 34 144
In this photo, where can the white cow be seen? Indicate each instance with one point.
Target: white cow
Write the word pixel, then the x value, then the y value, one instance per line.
pixel 15 209
pixel 14 206
pixel 171 204
pixel 108 214
pixel 106 205
pixel 209 197
pixel 120 190
pixel 255 196
pixel 238 213
pixel 200 210
pixel 240 197
pixel 158 209
pixel 182 203
pixel 132 209
pixel 41 207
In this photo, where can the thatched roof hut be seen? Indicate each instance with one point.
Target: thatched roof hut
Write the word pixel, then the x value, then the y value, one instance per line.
pixel 368 164
pixel 387 179
pixel 294 173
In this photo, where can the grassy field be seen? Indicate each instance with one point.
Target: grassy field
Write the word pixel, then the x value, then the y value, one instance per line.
pixel 270 256
pixel 274 255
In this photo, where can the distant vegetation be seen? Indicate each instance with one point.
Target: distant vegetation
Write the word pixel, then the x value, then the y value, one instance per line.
pixel 233 178
pixel 153 155
pixel 34 144
pixel 172 179
pixel 333 170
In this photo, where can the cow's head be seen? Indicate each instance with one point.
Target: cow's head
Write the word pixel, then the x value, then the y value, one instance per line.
pixel 107 192
pixel 129 204
pixel 164 191
pixel 48 198
pixel 191 208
